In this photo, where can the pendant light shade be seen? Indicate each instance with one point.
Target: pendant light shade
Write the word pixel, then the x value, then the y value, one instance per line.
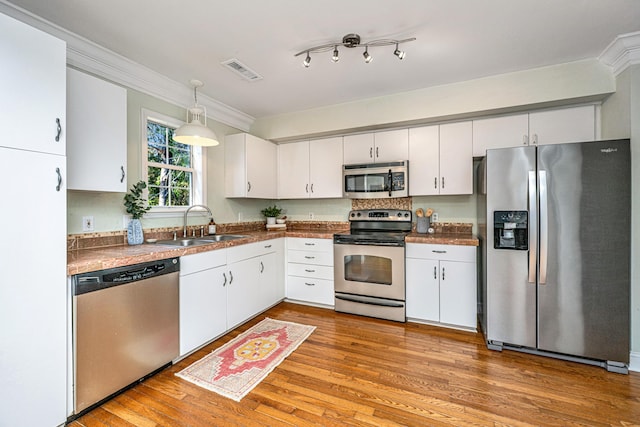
pixel 194 132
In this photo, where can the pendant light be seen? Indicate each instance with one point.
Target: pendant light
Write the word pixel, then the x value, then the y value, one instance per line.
pixel 194 132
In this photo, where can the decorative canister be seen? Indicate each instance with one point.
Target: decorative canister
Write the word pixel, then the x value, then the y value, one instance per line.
pixel 423 224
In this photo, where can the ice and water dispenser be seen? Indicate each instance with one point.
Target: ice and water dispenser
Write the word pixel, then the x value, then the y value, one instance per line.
pixel 511 230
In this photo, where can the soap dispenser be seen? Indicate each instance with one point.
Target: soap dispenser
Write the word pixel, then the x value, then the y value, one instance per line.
pixel 212 227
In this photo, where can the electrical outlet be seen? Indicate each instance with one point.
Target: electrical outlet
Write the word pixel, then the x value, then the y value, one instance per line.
pixel 311 216
pixel 434 217
pixel 125 221
pixel 87 223
pixel 240 217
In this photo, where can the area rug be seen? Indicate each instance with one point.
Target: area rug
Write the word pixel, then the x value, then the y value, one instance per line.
pixel 234 369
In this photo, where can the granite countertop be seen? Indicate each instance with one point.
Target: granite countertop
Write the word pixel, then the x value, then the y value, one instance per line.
pixel 86 260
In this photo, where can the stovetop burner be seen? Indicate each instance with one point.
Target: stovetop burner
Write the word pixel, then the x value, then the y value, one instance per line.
pixel 376 226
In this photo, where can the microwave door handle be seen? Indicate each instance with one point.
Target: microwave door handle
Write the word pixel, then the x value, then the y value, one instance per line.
pixel 390 178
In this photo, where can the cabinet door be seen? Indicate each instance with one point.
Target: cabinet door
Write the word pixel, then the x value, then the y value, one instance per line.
pixel 391 146
pixel 358 148
pixel 424 155
pixel 96 134
pixel 243 301
pixel 500 132
pixel 456 159
pixel 203 307
pixel 565 125
pixel 458 289
pixel 235 167
pixel 293 170
pixel 33 87
pixel 269 289
pixel 423 293
pixel 261 168
pixel 325 168
pixel 33 289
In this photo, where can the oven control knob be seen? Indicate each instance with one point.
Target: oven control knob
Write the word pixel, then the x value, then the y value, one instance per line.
pixel 399 214
pixel 352 214
pixel 406 215
pixel 359 214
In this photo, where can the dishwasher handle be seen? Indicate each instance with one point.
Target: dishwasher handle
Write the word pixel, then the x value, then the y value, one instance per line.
pixel 102 279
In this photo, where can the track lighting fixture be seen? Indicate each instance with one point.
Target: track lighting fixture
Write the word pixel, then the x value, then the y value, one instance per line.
pixel 194 132
pixel 351 41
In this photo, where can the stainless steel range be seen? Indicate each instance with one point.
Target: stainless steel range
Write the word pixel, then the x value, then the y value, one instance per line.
pixel 369 273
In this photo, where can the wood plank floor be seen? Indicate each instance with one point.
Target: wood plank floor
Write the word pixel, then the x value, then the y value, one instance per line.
pixel 366 372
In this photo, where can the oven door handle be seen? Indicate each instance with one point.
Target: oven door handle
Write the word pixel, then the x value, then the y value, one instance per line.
pixel 390 178
pixel 383 303
pixel 367 243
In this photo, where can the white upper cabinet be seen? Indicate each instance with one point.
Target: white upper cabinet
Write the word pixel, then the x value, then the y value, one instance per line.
pixel 566 125
pixel 250 167
pixel 571 124
pixel 310 169
pixel 96 134
pixel 387 146
pixel 440 159
pixel 32 87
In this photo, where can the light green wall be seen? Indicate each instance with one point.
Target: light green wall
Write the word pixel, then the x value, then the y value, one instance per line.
pixel 621 119
pixel 107 208
pixel 586 80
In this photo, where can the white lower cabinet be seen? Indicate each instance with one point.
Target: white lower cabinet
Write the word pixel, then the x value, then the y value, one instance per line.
pixel 253 280
pixel 310 270
pixel 441 284
pixel 203 298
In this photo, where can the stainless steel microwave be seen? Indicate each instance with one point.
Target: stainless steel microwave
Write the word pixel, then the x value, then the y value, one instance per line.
pixel 376 180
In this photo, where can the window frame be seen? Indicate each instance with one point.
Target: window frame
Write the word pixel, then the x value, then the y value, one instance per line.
pixel 199 190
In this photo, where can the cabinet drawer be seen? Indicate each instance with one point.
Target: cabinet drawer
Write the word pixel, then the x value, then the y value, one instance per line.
pixel 441 252
pixel 190 264
pixel 307 270
pixel 318 291
pixel 250 250
pixel 308 257
pixel 316 245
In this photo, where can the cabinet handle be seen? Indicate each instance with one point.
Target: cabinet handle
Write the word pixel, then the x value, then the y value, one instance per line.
pixel 371 152
pixel 309 271
pixel 443 182
pixel 230 278
pixel 435 182
pixel 312 188
pixel 534 139
pixel 261 267
pixel 122 176
pixel 309 284
pixel 306 188
pixel 439 252
pixel 435 272
pixel 525 140
pixel 225 279
pixel 309 257
pixel 267 246
pixel 443 274
pixel 59 179
pixel 58 129
pixel 377 152
pixel 248 186
pixel 309 244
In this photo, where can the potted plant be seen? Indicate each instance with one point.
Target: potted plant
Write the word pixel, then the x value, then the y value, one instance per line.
pixel 271 212
pixel 136 206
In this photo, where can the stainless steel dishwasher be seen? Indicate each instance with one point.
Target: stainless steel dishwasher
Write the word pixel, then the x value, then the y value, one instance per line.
pixel 125 327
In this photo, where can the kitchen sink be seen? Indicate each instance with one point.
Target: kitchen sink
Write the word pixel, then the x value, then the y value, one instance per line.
pixel 196 241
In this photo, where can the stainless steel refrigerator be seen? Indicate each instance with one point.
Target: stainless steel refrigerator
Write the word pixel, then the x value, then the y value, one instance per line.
pixel 555 233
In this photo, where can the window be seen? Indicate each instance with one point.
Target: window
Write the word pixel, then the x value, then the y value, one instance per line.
pixel 173 171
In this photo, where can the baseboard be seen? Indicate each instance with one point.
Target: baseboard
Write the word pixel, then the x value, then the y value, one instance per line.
pixel 634 361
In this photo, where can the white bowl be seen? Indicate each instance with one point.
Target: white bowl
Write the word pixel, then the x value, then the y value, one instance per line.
pixel 280 221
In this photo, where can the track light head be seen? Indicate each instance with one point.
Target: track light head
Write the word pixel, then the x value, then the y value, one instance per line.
pixel 367 58
pixel 399 53
pixel 335 57
pixel 307 61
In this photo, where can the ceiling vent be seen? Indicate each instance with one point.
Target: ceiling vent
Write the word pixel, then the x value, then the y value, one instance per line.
pixel 241 69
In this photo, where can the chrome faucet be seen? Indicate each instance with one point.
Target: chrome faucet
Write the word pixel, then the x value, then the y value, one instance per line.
pixel 184 230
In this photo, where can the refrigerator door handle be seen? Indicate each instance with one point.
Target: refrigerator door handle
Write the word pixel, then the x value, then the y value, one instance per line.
pixel 533 227
pixel 544 225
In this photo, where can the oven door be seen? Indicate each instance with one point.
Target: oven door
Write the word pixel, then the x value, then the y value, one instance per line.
pixel 370 270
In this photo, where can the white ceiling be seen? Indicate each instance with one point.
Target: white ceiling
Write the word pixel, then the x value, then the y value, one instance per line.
pixel 457 40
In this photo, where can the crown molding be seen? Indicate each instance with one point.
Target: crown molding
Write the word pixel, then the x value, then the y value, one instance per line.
pixel 622 52
pixel 93 58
